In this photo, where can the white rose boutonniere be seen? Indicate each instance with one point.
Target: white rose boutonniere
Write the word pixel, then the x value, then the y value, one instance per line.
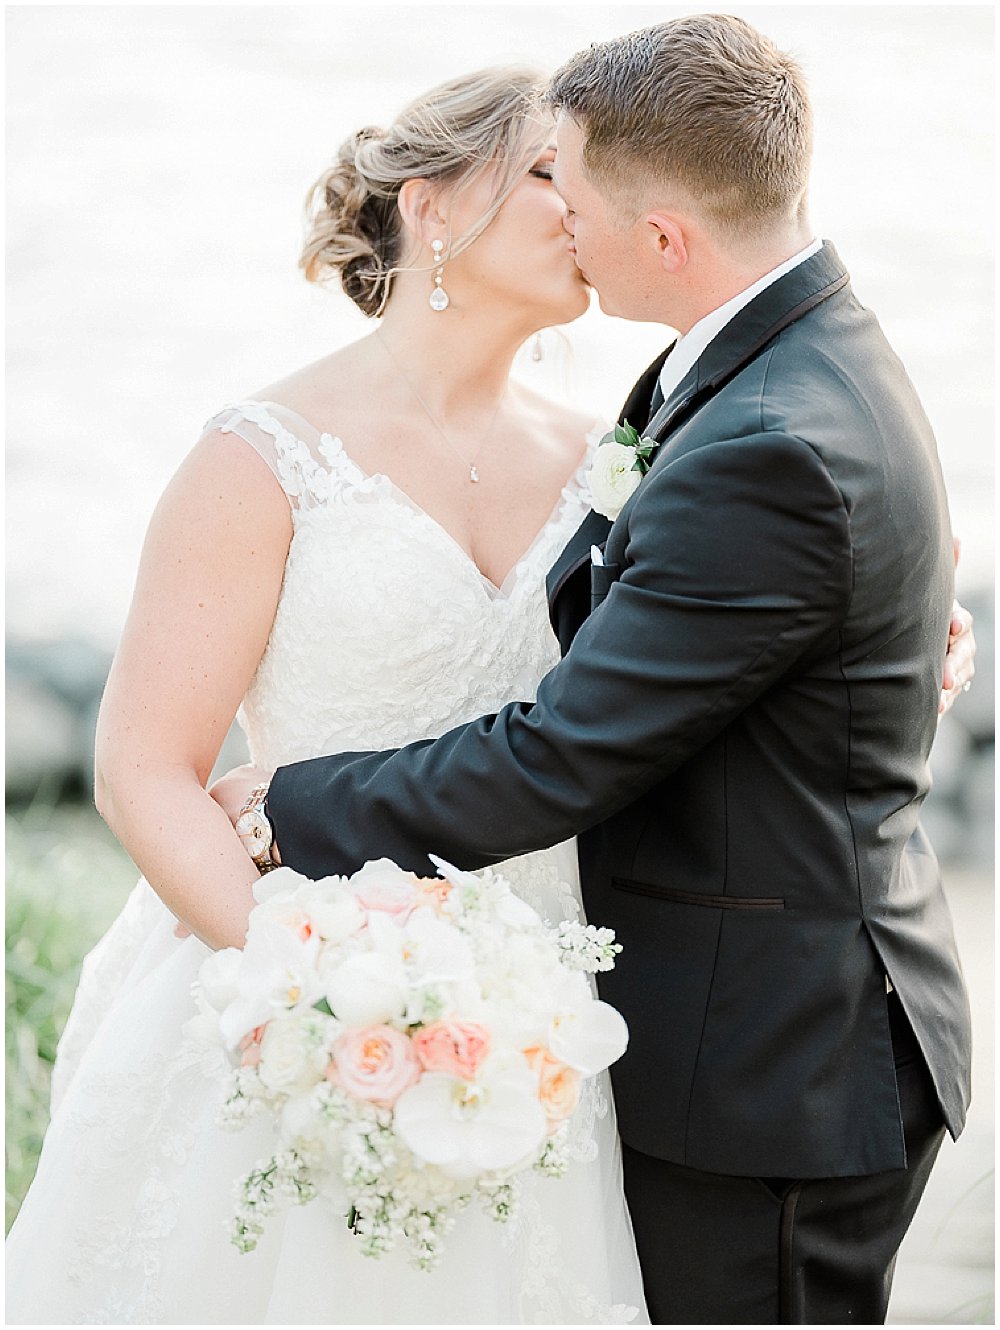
pixel 621 461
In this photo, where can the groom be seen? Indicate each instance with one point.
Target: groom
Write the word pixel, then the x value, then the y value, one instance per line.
pixel 739 730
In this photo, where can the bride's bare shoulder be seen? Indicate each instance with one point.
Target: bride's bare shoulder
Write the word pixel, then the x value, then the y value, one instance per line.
pixel 309 390
pixel 566 427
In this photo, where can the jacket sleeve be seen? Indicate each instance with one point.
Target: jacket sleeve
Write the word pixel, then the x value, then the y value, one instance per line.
pixel 735 561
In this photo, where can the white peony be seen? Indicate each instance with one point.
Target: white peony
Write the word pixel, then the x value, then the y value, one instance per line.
pixel 471 1127
pixel 612 478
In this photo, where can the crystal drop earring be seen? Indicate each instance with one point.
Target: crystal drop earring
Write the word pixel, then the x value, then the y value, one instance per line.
pixel 438 299
pixel 537 350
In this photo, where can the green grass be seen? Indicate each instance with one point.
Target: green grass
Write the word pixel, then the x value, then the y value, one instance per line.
pixel 67 878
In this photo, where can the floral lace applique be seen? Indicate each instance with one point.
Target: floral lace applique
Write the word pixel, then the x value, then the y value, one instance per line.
pixel 385 632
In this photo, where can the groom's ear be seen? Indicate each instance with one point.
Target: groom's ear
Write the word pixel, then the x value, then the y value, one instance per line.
pixel 665 234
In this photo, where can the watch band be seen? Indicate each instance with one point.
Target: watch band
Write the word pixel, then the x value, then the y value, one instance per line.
pixel 256 831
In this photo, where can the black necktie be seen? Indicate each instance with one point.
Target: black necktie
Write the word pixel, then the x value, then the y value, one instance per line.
pixel 656 401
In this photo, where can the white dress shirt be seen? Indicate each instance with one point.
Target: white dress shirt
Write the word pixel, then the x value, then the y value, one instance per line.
pixel 689 347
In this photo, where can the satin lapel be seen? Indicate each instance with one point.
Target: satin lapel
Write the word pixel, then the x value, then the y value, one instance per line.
pixel 779 305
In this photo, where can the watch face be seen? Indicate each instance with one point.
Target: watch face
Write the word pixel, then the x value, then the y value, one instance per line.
pixel 254 831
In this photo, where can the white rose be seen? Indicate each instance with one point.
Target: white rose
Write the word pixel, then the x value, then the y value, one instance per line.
pixel 612 478
pixel 294 1053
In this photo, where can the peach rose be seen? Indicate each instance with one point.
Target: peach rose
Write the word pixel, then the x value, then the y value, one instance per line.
pixel 558 1085
pixel 375 1063
pixel 249 1046
pixel 434 891
pixel 456 1048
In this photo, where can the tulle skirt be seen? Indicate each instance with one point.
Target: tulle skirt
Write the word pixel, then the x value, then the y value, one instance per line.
pixel 127 1219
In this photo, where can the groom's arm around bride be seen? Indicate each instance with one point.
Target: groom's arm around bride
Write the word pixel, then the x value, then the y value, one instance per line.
pixel 739 731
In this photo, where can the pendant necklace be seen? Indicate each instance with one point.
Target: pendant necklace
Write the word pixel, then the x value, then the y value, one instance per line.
pixel 473 468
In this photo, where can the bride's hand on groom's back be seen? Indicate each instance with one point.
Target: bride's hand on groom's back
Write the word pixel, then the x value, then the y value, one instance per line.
pixel 960 662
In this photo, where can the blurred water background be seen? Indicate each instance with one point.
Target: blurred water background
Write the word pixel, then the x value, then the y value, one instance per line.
pixel 158 157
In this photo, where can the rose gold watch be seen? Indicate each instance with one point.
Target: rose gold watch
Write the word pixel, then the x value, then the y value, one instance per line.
pixel 255 830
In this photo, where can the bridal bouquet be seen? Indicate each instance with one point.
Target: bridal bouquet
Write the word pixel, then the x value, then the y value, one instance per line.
pixel 418 1042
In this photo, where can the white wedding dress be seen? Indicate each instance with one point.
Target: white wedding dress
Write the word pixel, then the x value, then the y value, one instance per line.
pixel 385 632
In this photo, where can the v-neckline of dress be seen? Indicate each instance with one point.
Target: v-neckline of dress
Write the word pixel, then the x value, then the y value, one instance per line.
pixel 328 443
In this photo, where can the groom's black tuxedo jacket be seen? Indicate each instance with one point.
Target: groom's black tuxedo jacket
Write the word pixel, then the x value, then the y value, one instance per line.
pixel 739 735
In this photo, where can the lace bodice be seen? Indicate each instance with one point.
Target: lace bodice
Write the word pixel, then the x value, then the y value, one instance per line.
pixel 385 631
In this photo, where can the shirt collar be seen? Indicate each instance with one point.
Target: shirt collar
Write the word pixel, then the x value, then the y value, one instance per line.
pixel 688 348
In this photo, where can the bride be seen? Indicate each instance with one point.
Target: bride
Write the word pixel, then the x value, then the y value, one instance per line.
pixel 355 558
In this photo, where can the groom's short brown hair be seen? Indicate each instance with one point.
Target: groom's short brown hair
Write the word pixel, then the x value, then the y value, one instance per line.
pixel 706 103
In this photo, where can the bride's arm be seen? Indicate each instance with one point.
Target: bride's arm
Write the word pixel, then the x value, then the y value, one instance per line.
pixel 203 605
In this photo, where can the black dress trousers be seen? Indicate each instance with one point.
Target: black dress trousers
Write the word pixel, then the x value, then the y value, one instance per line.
pixel 719 1250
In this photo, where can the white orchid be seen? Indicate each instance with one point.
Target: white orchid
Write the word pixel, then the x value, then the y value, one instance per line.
pixel 589 1036
pixel 434 951
pixel 218 978
pixel 277 974
pixel 468 1128
pixel 414 1040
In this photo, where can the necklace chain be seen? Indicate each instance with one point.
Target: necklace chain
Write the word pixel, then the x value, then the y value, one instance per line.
pixel 473 468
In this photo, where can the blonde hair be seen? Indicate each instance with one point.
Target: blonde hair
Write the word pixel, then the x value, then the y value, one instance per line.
pixel 490 120
pixel 706 103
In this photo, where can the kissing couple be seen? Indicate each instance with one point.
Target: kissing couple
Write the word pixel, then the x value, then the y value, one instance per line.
pixel 686 680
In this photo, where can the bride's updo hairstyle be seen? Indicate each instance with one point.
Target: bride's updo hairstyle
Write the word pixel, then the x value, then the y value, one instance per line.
pixel 485 121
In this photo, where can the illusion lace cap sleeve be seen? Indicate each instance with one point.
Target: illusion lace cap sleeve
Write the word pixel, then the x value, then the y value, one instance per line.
pixel 306 464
